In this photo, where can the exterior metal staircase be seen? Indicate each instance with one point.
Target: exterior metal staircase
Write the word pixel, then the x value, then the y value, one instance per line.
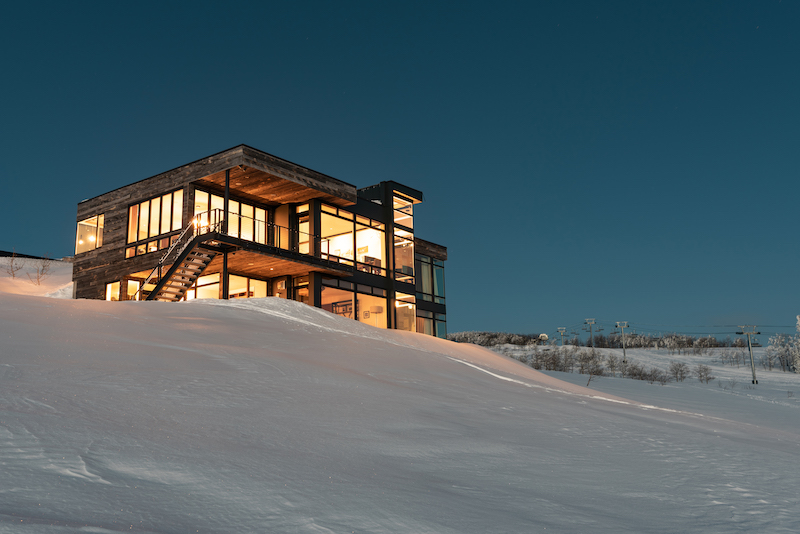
pixel 192 259
pixel 183 274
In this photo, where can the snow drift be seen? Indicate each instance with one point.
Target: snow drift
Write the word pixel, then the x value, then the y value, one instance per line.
pixel 267 415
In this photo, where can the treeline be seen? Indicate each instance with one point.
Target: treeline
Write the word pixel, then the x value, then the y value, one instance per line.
pixel 572 359
pixel 674 343
pixel 680 343
pixel 490 339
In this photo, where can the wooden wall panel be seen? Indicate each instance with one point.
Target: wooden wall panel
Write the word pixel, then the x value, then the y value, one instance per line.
pixel 427 248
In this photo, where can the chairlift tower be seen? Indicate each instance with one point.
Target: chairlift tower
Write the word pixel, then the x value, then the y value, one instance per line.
pixel 622 325
pixel 749 333
pixel 562 330
pixel 590 323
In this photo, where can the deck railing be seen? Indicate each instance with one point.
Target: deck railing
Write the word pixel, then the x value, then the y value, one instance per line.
pixel 264 233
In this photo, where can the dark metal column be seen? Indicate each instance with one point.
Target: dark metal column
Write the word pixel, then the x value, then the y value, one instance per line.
pixel 224 281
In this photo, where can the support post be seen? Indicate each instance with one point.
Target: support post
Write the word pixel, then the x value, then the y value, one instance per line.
pixel 225 209
pixel 226 202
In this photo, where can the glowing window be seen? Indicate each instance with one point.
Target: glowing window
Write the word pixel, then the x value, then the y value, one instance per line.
pixel 90 234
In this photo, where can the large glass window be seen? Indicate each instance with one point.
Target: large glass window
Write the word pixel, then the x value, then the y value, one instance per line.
pixel 338 301
pixel 112 291
pixel 245 221
pixel 238 288
pixel 304 237
pixel 403 256
pixel 405 311
pixel 403 211
pixel 370 246
pixel 337 237
pixel 90 234
pixel 371 310
pixel 425 322
pixel 206 287
pixel 153 218
pixel 433 324
pixel 440 322
pixel 430 279
pixel 300 291
pixel 133 289
pixel 438 281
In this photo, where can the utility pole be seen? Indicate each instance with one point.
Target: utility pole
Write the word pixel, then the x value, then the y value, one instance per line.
pixel 622 325
pixel 562 330
pixel 749 333
pixel 590 323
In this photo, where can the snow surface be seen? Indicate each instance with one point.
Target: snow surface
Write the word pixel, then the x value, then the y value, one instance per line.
pixel 267 415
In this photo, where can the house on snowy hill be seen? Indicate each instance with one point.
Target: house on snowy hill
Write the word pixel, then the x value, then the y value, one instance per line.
pixel 243 223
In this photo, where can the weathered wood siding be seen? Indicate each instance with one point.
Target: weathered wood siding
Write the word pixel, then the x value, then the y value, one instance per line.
pixel 437 252
pixel 94 269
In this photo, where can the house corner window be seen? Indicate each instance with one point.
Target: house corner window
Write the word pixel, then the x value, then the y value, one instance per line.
pixel 90 234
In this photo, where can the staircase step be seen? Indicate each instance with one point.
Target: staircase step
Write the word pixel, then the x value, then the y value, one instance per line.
pixel 183 274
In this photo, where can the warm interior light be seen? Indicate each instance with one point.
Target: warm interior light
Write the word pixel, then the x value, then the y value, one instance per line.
pixel 92 238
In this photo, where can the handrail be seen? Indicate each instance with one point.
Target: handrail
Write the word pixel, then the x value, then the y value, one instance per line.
pixel 193 224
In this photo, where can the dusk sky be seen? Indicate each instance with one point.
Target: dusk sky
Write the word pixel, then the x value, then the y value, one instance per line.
pixel 624 161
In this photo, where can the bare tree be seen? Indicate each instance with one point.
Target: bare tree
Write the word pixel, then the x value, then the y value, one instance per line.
pixel 13 265
pixel 703 373
pixel 612 362
pixel 43 268
pixel 679 371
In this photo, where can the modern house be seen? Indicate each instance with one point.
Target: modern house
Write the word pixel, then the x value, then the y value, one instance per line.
pixel 245 224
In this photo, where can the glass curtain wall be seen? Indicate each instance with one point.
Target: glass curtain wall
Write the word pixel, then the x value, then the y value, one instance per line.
pixel 245 221
pixel 403 211
pixel 403 256
pixel 430 279
pixel 403 238
pixel 370 246
pixel 336 233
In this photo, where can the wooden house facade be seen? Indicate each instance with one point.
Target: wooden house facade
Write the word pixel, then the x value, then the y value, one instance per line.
pixel 245 224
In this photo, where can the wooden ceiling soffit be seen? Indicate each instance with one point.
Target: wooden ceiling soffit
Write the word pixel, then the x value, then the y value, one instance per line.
pixel 340 192
pixel 261 187
pixel 315 184
pixel 256 265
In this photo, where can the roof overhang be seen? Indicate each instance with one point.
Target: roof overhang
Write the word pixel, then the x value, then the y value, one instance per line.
pixel 254 175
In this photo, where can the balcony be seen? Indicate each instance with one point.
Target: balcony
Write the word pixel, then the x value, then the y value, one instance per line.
pixel 261 248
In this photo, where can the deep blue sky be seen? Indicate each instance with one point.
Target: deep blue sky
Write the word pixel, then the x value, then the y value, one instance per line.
pixel 631 161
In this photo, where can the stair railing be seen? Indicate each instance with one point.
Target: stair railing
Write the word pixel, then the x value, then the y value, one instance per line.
pixel 195 224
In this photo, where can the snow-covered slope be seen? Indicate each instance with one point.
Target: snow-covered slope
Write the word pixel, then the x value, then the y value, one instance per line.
pixel 271 416
pixel 55 282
